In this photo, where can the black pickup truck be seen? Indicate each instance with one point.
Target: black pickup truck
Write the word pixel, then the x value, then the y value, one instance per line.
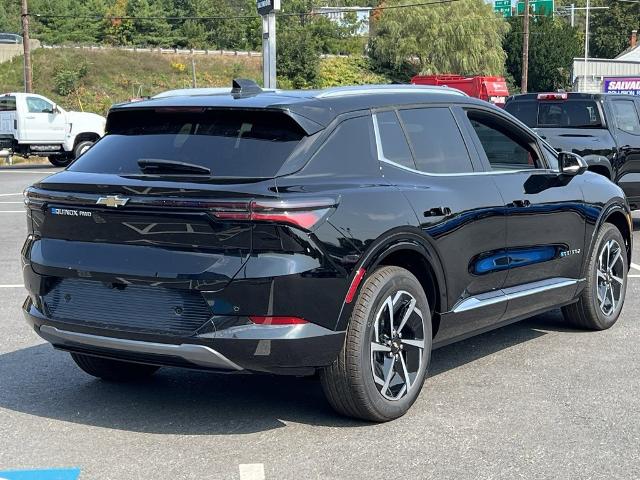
pixel 602 128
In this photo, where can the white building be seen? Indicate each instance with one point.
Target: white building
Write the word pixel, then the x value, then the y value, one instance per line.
pixel 337 15
pixel 590 77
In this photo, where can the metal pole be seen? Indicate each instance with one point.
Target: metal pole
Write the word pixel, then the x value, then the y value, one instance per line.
pixel 193 72
pixel 26 45
pixel 573 14
pixel 525 49
pixel 272 49
pixel 265 52
pixel 586 47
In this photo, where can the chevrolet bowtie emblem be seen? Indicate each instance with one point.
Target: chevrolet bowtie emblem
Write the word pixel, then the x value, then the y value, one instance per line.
pixel 113 201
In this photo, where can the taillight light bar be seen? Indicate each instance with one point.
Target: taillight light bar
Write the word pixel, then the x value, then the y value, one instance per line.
pixel 553 96
pixel 303 213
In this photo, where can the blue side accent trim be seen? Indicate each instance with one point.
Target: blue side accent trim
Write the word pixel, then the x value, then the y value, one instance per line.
pixel 514 258
pixel 50 474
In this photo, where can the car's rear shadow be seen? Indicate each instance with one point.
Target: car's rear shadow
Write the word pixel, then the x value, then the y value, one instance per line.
pixel 40 381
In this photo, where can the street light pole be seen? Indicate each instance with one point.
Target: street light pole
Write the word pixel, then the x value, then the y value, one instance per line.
pixel 586 46
pixel 267 9
pixel 525 49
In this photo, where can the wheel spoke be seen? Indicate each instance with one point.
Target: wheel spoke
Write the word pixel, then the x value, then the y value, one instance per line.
pixel 389 375
pixel 617 279
pixel 413 343
pixel 407 380
pixel 389 304
pixel 601 274
pixel 407 314
pixel 616 258
pixel 613 299
pixel 378 347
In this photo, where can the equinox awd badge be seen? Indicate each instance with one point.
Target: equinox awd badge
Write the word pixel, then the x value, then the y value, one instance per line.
pixel 113 201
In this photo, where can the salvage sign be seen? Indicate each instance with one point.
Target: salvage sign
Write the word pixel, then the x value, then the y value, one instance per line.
pixel 627 86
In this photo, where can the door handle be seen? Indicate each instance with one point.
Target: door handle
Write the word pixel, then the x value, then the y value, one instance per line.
pixel 521 203
pixel 30 117
pixel 438 212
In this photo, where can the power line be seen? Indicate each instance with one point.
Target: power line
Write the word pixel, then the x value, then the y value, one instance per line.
pixel 237 17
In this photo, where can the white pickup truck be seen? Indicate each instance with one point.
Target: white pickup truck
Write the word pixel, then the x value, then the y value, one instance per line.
pixel 34 125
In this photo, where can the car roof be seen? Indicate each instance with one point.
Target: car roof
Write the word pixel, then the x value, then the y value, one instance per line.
pixel 317 106
pixel 570 96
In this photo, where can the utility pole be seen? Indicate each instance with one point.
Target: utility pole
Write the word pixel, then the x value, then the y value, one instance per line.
pixel 193 71
pixel 26 44
pixel 525 49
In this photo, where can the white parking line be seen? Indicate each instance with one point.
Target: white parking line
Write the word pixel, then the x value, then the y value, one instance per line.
pixel 13 203
pixel 635 266
pixel 251 471
pixel 12 211
pixel 28 171
pixel 12 286
pixel 10 194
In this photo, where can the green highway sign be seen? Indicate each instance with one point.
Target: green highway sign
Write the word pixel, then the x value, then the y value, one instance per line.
pixel 503 7
pixel 538 7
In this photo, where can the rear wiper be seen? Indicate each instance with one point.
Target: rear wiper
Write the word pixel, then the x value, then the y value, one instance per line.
pixel 155 165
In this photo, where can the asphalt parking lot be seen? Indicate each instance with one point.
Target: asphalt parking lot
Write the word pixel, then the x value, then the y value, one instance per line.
pixel 531 400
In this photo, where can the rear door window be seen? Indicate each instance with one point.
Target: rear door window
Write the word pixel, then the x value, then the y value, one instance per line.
pixel 393 141
pixel 626 116
pixel 438 146
pixel 230 143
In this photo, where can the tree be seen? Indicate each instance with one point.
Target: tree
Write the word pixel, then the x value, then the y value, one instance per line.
pixel 552 47
pixel 611 30
pixel 298 57
pixel 463 37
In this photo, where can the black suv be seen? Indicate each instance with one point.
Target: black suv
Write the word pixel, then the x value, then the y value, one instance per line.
pixel 603 128
pixel 347 232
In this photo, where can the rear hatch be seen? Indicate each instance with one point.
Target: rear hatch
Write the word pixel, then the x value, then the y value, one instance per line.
pixel 162 201
pixel 568 124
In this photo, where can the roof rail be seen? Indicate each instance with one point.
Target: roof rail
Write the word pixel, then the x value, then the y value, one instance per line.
pixel 372 89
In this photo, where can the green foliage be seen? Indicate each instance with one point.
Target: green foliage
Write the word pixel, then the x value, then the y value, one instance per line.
pixel 463 37
pixel 348 71
pixel 67 78
pixel 298 57
pixel 611 29
pixel 552 46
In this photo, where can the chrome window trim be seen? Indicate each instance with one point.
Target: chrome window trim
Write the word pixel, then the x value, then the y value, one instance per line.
pixel 382 158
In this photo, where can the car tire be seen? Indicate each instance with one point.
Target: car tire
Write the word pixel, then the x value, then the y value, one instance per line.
pixel 366 380
pixel 82 147
pixel 61 160
pixel 113 370
pixel 601 301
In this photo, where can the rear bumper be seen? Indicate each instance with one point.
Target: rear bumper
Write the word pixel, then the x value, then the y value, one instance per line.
pixel 279 349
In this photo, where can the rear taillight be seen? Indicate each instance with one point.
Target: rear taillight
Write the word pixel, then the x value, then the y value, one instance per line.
pixel 553 96
pixel 304 213
pixel 277 320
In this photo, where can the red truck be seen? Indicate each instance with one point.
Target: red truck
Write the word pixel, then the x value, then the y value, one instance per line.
pixel 491 89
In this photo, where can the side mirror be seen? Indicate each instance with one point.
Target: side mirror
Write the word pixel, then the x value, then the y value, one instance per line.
pixel 571 164
pixel 56 109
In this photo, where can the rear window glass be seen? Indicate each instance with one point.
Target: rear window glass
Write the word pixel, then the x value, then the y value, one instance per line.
pixel 552 114
pixel 230 143
pixel 7 103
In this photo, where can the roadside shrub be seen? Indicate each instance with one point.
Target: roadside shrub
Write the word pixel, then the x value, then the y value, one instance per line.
pixel 67 79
